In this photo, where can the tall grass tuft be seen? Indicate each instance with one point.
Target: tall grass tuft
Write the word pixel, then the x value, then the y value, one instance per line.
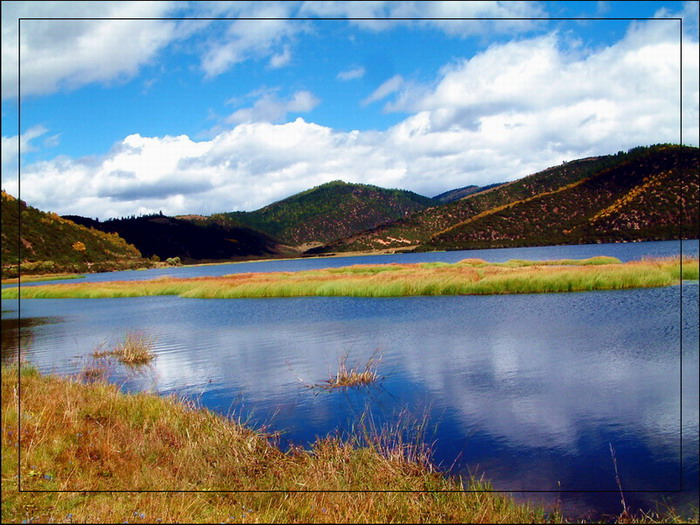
pixel 135 349
pixel 354 376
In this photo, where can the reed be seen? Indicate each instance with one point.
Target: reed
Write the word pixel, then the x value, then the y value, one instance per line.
pixel 353 376
pixel 395 280
pixel 135 349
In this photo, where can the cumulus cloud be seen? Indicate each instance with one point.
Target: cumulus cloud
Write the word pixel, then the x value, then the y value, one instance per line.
pixel 269 108
pixel 351 74
pixel 66 54
pixel 383 91
pixel 536 92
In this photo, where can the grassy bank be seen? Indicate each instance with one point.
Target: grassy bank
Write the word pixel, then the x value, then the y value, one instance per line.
pixel 78 436
pixel 467 277
pixel 43 277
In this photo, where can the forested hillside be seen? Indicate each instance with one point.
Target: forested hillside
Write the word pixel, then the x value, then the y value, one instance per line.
pixel 199 239
pixel 629 207
pixel 331 211
pixel 649 197
pixel 47 243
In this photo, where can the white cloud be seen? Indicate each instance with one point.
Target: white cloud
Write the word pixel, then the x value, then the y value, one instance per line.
pixel 511 110
pixel 269 108
pixel 533 93
pixel 66 54
pixel 251 39
pixel 351 74
pixel 281 59
pixel 10 151
pixel 387 88
pixel 435 9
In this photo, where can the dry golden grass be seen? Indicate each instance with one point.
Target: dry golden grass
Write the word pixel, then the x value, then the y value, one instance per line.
pixel 354 376
pixel 90 437
pixel 134 349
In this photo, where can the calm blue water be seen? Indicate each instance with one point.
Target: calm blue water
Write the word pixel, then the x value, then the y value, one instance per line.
pixel 529 390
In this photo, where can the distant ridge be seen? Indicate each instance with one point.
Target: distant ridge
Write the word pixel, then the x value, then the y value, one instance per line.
pixel 650 196
pixel 330 211
pixel 460 193
pixel 646 193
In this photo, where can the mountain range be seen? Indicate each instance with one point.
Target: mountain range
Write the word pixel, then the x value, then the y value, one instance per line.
pixel 646 193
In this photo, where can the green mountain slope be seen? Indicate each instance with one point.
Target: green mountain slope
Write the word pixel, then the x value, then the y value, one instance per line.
pixel 653 196
pixel 46 243
pixel 420 227
pixel 331 211
pixel 430 228
pixel 194 239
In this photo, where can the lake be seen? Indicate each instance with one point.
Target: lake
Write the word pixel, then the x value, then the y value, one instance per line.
pixel 528 390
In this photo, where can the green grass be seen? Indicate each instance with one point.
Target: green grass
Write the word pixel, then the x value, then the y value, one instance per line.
pixel 468 277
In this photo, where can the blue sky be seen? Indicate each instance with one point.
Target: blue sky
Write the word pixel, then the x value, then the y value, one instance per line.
pixel 121 117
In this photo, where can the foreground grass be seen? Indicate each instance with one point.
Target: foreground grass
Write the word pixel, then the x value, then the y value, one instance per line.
pixel 471 276
pixel 80 437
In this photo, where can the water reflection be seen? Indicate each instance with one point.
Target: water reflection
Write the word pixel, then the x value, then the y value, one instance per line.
pixel 19 333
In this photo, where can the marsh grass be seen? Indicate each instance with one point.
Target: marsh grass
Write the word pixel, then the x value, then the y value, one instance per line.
pixel 94 371
pixel 353 376
pixel 468 277
pixel 133 350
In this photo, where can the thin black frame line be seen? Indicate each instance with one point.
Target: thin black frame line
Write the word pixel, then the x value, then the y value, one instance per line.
pixel 680 249
pixel 19 257
pixel 362 491
pixel 312 19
